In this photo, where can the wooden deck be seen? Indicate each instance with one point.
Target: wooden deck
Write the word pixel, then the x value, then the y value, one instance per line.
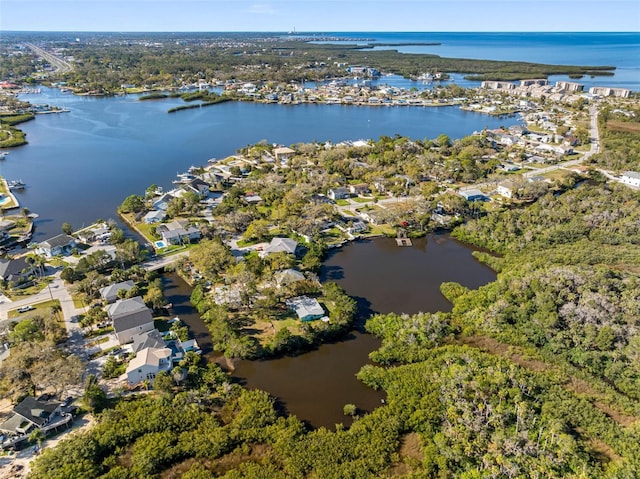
pixel 404 242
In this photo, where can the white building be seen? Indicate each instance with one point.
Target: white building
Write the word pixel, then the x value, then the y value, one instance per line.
pixel 147 364
pixel 631 178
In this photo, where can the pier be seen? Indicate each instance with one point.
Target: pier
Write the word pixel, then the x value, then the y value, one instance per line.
pixel 401 239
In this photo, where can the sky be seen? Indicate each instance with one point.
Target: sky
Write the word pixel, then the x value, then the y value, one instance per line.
pixel 320 15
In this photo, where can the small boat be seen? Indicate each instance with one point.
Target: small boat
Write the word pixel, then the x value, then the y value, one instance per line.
pixel 3 154
pixel 16 185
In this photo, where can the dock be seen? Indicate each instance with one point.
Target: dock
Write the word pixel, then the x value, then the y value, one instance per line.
pixel 403 242
pixel 402 239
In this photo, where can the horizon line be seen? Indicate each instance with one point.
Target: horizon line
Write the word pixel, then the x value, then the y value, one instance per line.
pixel 316 32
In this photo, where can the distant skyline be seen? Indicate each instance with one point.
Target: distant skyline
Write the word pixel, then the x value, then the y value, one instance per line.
pixel 320 15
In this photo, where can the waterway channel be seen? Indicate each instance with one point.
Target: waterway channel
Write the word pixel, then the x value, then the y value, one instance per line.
pixel 383 278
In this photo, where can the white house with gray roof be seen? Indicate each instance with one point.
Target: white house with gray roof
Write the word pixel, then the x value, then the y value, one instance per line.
pixel 58 245
pixel 631 178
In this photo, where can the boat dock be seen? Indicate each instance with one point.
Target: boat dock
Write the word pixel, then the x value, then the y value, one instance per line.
pixel 402 239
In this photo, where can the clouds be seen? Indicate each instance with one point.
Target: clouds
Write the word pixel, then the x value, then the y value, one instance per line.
pixel 260 9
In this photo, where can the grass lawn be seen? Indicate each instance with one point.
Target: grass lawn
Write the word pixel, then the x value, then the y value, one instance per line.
pixel 377 230
pixel 363 200
pixel 39 308
pixel 342 203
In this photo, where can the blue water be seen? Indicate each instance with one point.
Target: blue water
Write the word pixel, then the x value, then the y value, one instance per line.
pixel 80 165
pixel 621 50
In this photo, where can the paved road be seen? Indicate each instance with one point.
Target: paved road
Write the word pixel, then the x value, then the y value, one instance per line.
pixel 58 63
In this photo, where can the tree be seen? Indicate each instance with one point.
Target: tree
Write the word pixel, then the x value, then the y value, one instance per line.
pixel 132 204
pixel 163 382
pixel 67 228
pixel 210 257
pixel 94 396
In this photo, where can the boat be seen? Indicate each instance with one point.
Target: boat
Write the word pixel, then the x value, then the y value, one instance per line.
pixel 3 154
pixel 16 185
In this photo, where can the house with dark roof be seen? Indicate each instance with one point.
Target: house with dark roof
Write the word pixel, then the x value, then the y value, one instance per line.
pixel 32 413
pixel 15 271
pixel 58 245
pixel 130 317
pixel 110 293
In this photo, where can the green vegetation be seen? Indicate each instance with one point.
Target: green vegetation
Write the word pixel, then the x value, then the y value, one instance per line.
pixel 12 120
pixel 102 65
pixel 620 139
pixel 10 136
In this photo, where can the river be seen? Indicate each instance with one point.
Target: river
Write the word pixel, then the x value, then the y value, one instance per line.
pixel 383 278
pixel 80 165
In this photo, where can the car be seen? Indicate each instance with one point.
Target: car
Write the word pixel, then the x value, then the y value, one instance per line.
pixel 24 309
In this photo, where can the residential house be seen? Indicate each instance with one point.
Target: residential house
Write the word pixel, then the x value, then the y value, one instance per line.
pixel 306 308
pixel 178 232
pixel 149 339
pixel 96 233
pixel 162 202
pixel 130 317
pixel 280 245
pixel 58 245
pixel 359 189
pixel 631 178
pixel 5 226
pixel 154 216
pixel 109 293
pixel 197 186
pixel 473 195
pixel 506 188
pixel 283 154
pixel 288 276
pixel 33 413
pixel 339 193
pixel 147 364
pixel 252 198
pixel 16 271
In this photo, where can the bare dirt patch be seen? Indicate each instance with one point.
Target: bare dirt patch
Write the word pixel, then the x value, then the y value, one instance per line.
pixel 410 455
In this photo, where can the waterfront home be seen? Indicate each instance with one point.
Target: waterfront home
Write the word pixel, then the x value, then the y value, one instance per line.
pixel 147 364
pixel 130 317
pixel 283 154
pixel 307 309
pixel 178 232
pixel 162 203
pixel 339 193
pixel 94 233
pixel 58 245
pixel 280 245
pixel 631 178
pixel 154 216
pixel 109 294
pixel 16 272
pixel 5 226
pixel 197 186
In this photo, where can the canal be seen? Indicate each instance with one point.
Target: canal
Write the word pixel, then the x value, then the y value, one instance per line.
pixel 383 278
